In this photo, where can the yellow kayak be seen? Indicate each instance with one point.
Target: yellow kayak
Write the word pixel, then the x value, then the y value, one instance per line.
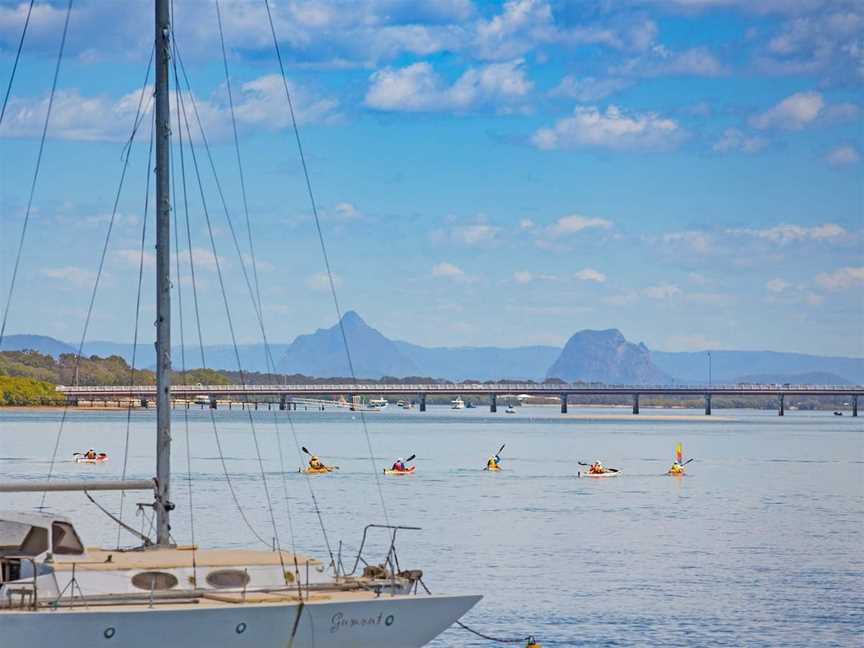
pixel 319 471
pixel 493 468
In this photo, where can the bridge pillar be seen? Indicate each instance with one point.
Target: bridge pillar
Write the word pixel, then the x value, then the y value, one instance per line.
pixel 782 410
pixel 422 402
pixel 707 404
pixel 493 403
pixel 213 402
pixel 635 403
pixel 855 406
pixel 564 403
pixel 282 400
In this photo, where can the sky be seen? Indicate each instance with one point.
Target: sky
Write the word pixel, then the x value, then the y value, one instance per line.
pixel 487 173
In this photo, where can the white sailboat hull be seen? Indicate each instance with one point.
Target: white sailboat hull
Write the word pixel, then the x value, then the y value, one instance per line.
pixel 401 622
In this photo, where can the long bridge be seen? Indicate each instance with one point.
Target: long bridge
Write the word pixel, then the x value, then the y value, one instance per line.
pixel 285 393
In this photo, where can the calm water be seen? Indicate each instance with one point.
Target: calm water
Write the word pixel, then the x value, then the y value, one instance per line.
pixel 761 544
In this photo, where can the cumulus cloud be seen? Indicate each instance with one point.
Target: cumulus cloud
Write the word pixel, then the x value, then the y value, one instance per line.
pixel 693 240
pixel 777 285
pixel 445 270
pixel 417 87
pixel 788 233
pixel 662 291
pixel 573 224
pixel 524 277
pixel 259 104
pixel 803 109
pixel 660 61
pixel 590 274
pixel 615 129
pixel 842 278
pixel 132 257
pixel 588 89
pixel 844 155
pixel 734 140
pixel 520 26
pixel 73 275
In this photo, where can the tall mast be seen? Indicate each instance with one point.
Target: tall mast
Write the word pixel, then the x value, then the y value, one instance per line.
pixel 163 505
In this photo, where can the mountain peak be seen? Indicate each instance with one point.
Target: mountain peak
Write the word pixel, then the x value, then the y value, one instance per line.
pixel 605 356
pixel 352 318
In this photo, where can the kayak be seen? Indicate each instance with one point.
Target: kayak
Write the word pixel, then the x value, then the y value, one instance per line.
pixel 407 471
pixel 81 458
pixel 318 471
pixel 493 468
pixel 608 473
pixel 672 474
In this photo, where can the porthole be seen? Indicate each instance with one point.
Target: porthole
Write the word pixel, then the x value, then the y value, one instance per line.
pixel 227 578
pixel 154 580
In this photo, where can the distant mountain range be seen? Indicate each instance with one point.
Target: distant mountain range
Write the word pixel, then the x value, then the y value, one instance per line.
pixel 593 356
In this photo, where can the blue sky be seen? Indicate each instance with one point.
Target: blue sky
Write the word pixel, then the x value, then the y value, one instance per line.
pixel 688 171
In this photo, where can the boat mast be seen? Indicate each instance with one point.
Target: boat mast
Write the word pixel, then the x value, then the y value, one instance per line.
pixel 162 503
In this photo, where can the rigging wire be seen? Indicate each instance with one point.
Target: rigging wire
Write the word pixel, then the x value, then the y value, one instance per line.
pixel 324 254
pixel 254 263
pixel 255 304
pixel 17 58
pixel 125 166
pixel 185 122
pixel 137 322
pixel 17 264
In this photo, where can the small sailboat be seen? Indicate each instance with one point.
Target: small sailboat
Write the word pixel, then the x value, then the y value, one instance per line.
pixel 56 592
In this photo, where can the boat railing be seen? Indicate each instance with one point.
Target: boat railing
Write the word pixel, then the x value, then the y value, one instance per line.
pixel 391 558
pixel 26 591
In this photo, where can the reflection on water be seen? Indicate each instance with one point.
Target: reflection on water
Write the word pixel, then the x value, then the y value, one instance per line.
pixel 760 544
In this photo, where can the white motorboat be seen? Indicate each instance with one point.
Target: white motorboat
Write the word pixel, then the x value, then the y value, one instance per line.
pixel 457 404
pixel 378 403
pixel 55 592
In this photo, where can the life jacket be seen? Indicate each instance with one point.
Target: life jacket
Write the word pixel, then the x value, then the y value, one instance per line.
pixel 399 466
pixel 492 463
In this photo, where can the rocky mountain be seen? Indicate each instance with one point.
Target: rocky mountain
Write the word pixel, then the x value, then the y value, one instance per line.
pixel 322 353
pixel 607 357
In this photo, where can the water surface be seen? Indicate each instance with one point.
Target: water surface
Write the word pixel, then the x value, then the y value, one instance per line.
pixel 761 543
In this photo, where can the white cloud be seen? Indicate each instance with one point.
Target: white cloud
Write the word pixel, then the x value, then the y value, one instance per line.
pixel 588 89
pixel 777 286
pixel 474 234
pixel 844 155
pixel 523 277
pixel 77 277
pixel 447 270
pixel 788 233
pixel 259 104
pixel 792 113
pixel 733 140
pixel 203 259
pixel 660 61
pixel 417 87
pixel 842 278
pixel 320 282
pixel 662 291
pixel 132 257
pixel 347 211
pixel 526 224
pixel 516 30
pixel 573 224
pixel 590 274
pixel 693 240
pixel 614 129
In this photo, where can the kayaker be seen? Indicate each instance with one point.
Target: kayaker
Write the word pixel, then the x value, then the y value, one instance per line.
pixel 493 462
pixel 91 454
pixel 399 465
pixel 315 463
pixel 597 468
pixel 676 469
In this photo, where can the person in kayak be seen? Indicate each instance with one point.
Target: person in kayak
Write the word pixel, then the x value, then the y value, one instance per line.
pixel 676 469
pixel 399 465
pixel 597 468
pixel 493 462
pixel 91 454
pixel 315 463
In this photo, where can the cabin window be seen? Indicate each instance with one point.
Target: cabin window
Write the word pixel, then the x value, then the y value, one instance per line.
pixel 35 542
pixel 227 578
pixel 64 540
pixel 154 580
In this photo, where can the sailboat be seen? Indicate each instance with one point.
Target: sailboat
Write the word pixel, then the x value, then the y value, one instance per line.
pixel 56 592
